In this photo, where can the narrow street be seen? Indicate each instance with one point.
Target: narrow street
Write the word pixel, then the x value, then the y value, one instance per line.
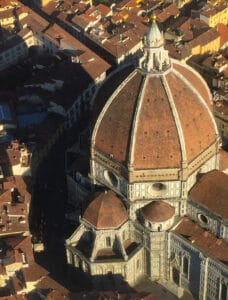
pixel 47 220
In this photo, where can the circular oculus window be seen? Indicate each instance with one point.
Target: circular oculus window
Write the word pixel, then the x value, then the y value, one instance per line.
pixel 157 188
pixel 202 218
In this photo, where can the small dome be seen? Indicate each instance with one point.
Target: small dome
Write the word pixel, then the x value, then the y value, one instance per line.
pixel 158 211
pixel 105 211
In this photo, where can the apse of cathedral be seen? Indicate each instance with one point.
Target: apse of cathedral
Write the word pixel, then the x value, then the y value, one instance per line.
pixel 159 203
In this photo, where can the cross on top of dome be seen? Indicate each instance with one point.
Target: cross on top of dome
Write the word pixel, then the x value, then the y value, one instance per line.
pixel 156 58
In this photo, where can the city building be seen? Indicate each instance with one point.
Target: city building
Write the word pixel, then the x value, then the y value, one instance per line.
pixel 158 204
pixel 42 3
pixel 214 12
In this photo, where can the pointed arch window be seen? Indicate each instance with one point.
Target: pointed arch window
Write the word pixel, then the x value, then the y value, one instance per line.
pixel 185 266
pixel 223 291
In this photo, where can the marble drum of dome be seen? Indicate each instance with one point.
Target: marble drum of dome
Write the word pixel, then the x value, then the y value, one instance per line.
pixel 154 130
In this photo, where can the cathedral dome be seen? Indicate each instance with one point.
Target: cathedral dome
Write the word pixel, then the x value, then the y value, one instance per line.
pixel 158 211
pixel 106 211
pixel 158 116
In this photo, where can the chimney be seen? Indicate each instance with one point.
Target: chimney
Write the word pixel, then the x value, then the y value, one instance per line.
pixel 25 158
pixel 14 196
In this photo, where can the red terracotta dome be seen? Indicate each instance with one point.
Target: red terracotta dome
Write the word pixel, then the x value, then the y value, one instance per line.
pixel 156 116
pixel 147 115
pixel 106 211
pixel 158 211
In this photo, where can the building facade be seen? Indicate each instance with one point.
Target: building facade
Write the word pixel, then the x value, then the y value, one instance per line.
pixel 153 136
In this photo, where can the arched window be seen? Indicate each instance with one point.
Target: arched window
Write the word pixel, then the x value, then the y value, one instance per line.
pixel 223 292
pixel 108 241
pixel 185 265
pixel 138 264
pixel 123 235
pixel 176 276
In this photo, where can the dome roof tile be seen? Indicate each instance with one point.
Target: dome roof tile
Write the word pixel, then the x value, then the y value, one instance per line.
pixel 147 115
pixel 105 211
pixel 158 211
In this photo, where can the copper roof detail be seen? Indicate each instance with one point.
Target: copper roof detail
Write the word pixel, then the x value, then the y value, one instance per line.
pixel 106 211
pixel 158 211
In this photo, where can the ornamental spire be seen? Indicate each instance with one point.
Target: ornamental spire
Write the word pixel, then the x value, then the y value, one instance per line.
pixel 156 58
pixel 154 37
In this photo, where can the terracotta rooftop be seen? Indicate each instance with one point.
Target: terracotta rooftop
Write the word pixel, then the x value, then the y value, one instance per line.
pixel 169 11
pixel 204 38
pixel 57 291
pixel 7 13
pixel 94 65
pixel 210 9
pixel 223 31
pixel 130 246
pixel 116 129
pixel 107 253
pixel 100 9
pixel 158 211
pixel 212 192
pixel 14 206
pixel 203 239
pixel 118 45
pixel 105 211
pixel 34 272
pixel 17 249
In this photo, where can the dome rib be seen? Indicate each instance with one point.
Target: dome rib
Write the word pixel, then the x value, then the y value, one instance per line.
pixel 135 121
pixel 106 108
pixel 150 134
pixel 188 83
pixel 193 121
pixel 195 79
pixel 109 102
pixel 177 121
